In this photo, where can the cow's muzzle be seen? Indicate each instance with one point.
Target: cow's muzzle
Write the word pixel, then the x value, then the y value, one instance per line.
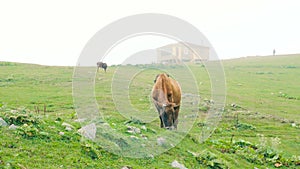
pixel 170 128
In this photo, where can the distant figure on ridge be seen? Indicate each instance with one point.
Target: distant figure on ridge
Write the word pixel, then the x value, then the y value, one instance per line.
pixel 274 52
pixel 101 65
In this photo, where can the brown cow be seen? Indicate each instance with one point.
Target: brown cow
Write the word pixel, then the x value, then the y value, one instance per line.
pixel 166 95
pixel 101 65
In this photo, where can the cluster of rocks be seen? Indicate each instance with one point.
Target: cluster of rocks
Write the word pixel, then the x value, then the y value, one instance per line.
pixel 3 123
pixel 68 127
pixel 89 131
pixel 136 131
pixel 174 164
pixel 133 130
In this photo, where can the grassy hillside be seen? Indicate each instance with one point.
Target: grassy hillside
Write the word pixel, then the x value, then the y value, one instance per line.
pixel 260 125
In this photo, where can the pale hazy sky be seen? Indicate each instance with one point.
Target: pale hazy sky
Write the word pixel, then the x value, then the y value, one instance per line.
pixel 55 32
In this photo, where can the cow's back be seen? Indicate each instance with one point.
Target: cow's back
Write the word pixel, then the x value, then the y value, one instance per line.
pixel 176 91
pixel 169 87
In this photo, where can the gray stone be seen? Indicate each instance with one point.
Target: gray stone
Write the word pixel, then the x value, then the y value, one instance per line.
pixel 80 120
pixel 68 128
pixel 126 167
pixel 67 125
pixel 13 111
pixel 176 164
pixel 144 128
pixel 161 141
pixel 134 137
pixel 133 130
pixel 144 137
pixel 2 122
pixel 89 131
pixel 12 127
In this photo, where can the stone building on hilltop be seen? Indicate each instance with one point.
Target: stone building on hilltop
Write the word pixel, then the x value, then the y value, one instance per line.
pixel 179 52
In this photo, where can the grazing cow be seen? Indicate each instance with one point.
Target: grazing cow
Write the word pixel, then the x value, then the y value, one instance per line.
pixel 166 96
pixel 101 65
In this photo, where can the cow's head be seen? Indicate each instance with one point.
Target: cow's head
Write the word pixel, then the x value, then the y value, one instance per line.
pixel 168 115
pixel 158 76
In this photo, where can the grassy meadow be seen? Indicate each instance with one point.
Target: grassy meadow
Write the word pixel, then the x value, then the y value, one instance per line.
pixel 260 125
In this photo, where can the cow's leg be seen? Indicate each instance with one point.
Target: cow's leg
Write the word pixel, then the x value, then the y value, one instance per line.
pixel 176 117
pixel 161 122
pixel 159 110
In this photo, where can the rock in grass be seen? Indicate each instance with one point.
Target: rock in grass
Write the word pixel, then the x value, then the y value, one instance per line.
pixel 161 141
pixel 68 126
pixel 13 111
pixel 80 120
pixel 176 164
pixel 12 127
pixel 133 130
pixel 144 128
pixel 126 167
pixel 134 137
pixel 144 137
pixel 2 122
pixel 89 131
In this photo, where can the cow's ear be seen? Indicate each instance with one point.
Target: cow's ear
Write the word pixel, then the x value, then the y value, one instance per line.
pixel 156 78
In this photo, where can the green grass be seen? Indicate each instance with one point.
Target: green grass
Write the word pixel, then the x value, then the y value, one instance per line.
pixel 263 102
